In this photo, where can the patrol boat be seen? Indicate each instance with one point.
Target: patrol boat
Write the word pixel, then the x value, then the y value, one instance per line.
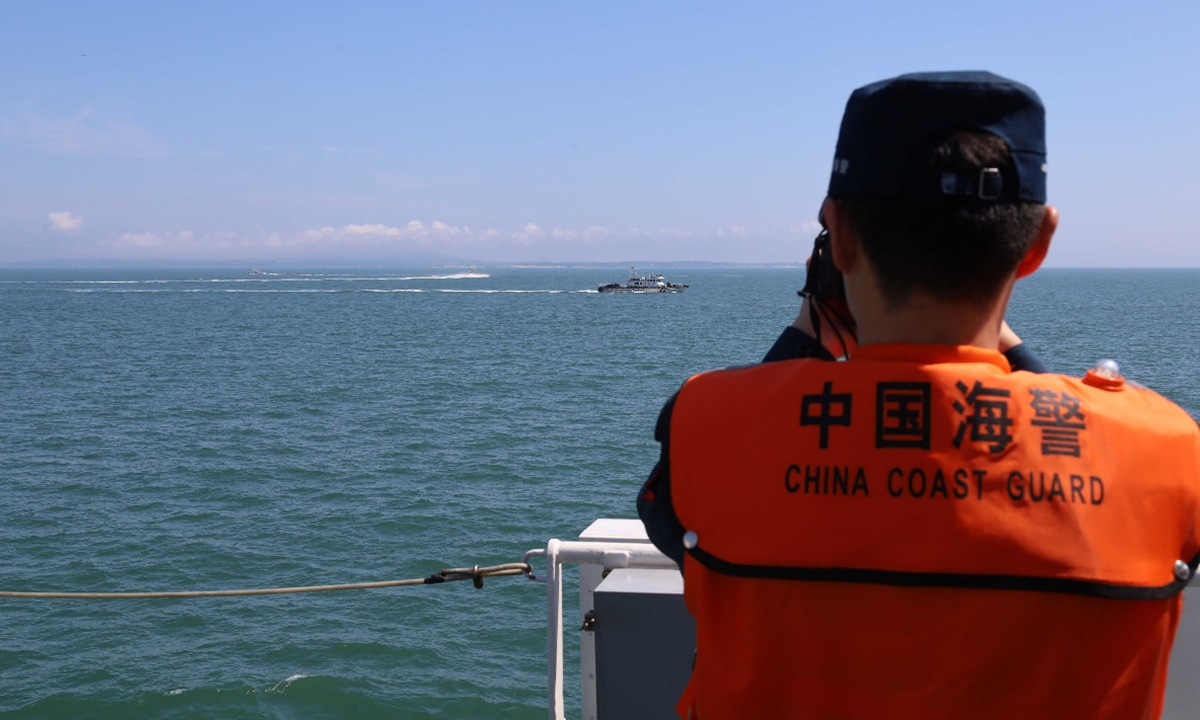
pixel 652 283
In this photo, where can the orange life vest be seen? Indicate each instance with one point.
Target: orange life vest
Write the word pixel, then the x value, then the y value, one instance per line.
pixel 921 533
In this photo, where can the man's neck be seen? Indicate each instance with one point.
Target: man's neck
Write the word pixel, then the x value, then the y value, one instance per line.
pixel 924 320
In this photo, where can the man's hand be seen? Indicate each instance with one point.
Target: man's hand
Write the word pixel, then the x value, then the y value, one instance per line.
pixel 835 336
pixel 1008 338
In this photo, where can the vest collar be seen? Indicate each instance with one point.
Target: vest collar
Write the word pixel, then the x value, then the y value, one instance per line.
pixel 932 354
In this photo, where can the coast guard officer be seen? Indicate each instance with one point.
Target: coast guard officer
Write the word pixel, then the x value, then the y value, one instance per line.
pixel 921 531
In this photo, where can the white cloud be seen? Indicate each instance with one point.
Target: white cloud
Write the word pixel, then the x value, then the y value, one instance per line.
pixel 528 234
pixel 374 229
pixel 166 240
pixel 64 221
pixel 364 239
pixel 589 235
pixel 308 236
pixel 661 232
pixel 226 239
pixel 595 232
pixel 379 234
pixel 441 234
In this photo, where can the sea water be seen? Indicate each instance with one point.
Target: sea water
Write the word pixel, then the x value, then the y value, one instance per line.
pixel 208 429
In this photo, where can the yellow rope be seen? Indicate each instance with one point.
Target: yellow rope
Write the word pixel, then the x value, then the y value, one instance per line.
pixel 475 573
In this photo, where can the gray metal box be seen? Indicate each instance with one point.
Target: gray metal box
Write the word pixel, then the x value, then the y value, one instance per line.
pixel 645 641
pixel 1183 678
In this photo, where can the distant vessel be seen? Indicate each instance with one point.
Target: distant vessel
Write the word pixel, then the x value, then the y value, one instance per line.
pixel 651 283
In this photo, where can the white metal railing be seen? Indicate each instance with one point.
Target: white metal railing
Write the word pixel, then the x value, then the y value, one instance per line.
pixel 606 554
pixel 633 550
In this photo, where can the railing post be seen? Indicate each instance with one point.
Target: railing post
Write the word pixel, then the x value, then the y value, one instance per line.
pixel 554 631
pixel 606 555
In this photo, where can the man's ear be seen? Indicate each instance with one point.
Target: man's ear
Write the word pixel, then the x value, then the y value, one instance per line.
pixel 1041 244
pixel 842 242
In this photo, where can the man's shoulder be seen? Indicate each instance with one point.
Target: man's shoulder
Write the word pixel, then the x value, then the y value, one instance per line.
pixel 1118 404
pixel 777 368
pixel 749 386
pixel 1136 405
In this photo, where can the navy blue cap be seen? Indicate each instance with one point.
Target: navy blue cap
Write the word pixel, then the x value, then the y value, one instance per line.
pixel 886 121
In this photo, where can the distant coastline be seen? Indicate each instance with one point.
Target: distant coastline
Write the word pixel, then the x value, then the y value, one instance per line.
pixel 414 263
pixel 400 264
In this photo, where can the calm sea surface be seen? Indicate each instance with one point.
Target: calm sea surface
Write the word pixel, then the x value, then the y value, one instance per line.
pixel 170 430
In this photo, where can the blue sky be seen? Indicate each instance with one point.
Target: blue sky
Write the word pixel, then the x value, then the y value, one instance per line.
pixel 563 132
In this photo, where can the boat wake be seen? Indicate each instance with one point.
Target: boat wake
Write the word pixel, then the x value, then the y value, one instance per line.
pixel 456 276
pixel 304 291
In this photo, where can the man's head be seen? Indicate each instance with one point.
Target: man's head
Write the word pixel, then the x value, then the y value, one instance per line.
pixel 943 178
